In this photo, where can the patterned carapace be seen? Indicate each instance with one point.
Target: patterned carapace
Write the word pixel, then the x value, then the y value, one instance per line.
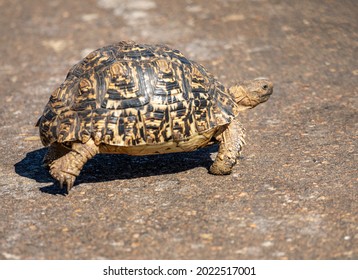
pixel 129 94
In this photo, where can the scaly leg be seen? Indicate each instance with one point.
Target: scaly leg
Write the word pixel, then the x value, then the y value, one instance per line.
pixel 232 140
pixel 55 151
pixel 66 168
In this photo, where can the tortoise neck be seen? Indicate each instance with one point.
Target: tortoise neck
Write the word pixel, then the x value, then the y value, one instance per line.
pixel 240 97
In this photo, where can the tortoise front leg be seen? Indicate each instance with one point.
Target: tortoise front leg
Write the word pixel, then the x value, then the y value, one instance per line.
pixel 66 168
pixel 232 140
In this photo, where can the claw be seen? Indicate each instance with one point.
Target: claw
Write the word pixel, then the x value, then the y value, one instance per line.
pixel 61 181
pixel 64 179
pixel 69 182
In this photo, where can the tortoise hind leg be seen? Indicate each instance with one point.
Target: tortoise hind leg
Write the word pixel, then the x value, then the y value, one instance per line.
pixel 55 151
pixel 65 169
pixel 231 142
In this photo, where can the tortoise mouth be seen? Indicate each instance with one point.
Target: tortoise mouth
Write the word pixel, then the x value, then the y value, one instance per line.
pixel 265 96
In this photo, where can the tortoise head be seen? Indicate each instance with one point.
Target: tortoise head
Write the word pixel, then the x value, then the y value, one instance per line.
pixel 249 94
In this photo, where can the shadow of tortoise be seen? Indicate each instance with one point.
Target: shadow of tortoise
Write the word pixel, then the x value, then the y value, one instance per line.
pixel 110 167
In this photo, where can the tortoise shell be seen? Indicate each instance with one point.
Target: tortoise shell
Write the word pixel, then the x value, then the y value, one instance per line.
pixel 129 94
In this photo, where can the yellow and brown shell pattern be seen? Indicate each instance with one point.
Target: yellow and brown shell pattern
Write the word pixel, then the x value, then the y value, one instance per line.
pixel 129 94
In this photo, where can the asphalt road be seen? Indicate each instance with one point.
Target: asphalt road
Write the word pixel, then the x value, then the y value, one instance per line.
pixel 293 194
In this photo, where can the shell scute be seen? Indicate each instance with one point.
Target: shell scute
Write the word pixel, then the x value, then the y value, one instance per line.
pixel 128 94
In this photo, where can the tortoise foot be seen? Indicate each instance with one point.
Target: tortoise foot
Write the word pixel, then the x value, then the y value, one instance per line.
pixel 220 169
pixel 64 178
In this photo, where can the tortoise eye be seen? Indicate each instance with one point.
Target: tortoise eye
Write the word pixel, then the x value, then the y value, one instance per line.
pixel 265 87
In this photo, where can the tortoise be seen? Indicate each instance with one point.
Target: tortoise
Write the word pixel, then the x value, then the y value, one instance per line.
pixel 138 99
